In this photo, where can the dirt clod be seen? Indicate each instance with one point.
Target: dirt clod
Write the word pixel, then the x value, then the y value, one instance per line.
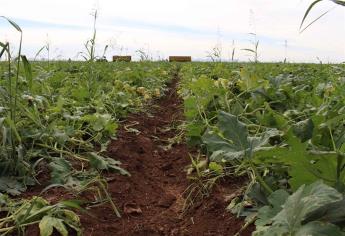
pixel 132 209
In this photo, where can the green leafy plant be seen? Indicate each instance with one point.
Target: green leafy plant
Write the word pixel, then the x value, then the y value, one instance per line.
pixel 65 176
pixel 23 213
pixel 301 213
pixel 279 124
pixel 12 162
pixel 230 141
pixel 60 120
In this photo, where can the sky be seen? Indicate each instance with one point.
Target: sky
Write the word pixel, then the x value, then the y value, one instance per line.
pixel 181 27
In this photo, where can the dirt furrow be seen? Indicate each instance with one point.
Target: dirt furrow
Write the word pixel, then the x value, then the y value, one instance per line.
pixel 151 200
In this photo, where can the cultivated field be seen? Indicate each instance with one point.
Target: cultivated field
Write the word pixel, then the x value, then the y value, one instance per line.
pixel 170 147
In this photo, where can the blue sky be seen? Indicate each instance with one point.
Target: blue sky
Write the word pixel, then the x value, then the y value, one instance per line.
pixel 163 28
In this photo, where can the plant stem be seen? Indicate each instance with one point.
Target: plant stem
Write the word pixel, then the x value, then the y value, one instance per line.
pixel 260 179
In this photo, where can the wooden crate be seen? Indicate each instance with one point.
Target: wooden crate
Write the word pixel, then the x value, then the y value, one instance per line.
pixel 122 58
pixel 180 58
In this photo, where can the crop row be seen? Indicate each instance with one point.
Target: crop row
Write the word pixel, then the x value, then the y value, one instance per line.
pixel 56 120
pixel 282 126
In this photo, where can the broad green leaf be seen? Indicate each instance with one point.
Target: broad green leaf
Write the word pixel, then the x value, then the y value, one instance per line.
pixel 195 129
pixel 101 122
pixel 258 194
pixel 60 136
pixel 190 107
pixel 305 200
pixel 304 129
pixel 203 93
pixel 250 81
pixel 288 221
pixel 266 213
pixel 231 139
pixel 12 185
pixel 270 231
pixel 232 136
pixel 271 118
pixel 81 93
pixel 305 167
pixel 60 170
pixel 319 229
pixel 333 213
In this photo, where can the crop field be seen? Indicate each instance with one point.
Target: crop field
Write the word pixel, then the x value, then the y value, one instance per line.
pixel 85 143
pixel 170 147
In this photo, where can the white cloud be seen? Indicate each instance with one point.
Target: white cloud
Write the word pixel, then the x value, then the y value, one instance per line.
pixel 182 27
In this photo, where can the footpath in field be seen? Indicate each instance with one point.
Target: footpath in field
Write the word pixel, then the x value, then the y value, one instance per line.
pixel 151 200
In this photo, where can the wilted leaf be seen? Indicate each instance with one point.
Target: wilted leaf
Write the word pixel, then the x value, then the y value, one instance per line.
pixel 101 163
pixel 48 224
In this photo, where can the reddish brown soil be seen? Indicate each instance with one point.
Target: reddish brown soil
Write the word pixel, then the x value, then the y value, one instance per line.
pixel 151 200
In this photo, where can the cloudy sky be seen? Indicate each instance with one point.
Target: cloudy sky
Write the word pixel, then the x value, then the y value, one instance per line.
pixel 180 27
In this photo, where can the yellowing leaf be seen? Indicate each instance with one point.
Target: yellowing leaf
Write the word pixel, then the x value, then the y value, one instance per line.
pixel 48 223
